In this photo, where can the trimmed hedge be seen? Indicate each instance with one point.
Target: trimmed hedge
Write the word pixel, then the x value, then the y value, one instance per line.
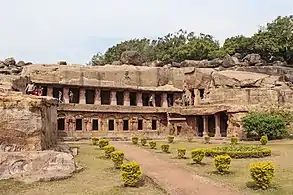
pixel 95 141
pixel 153 144
pixel 234 140
pixel 171 139
pixel 103 143
pixel 135 140
pixel 117 157
pixel 239 151
pixel 207 139
pixel 143 141
pixel 262 173
pixel 222 163
pixel 264 140
pixel 165 148
pixel 108 150
pixel 197 155
pixel 131 174
pixel 181 152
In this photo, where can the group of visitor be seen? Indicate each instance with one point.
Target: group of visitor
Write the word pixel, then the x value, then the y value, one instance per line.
pixel 32 89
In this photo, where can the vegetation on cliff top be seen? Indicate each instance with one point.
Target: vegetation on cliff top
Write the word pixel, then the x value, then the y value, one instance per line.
pixel 274 41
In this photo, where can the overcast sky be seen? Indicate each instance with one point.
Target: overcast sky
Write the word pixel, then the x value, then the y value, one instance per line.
pixel 46 31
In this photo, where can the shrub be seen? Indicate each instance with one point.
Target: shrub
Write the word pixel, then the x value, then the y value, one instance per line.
pixel 130 174
pixel 207 139
pixel 153 144
pixel 272 125
pixel 95 141
pixel 165 148
pixel 143 141
pixel 170 139
pixel 239 151
pixel 222 163
pixel 262 173
pixel 197 155
pixel 135 140
pixel 264 140
pixel 108 150
pixel 117 157
pixel 181 152
pixel 234 140
pixel 103 143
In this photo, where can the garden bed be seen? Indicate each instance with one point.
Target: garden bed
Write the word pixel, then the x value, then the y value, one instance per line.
pixel 239 151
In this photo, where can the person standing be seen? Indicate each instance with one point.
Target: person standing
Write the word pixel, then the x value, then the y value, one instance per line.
pixel 30 88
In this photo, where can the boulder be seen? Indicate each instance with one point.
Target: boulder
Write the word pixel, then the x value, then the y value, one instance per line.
pixel 131 57
pixel 229 61
pixel 10 62
pixel 35 166
pixel 252 59
pixel 20 63
pixel 279 63
pixel 237 55
pixel 175 64
pixel 216 62
pixel 28 63
pixel 198 64
pixel 62 63
pixel 2 65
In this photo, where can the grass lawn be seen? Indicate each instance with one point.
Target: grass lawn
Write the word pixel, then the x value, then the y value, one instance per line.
pixel 282 157
pixel 98 177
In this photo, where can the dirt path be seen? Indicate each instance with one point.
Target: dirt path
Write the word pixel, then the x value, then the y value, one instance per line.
pixel 173 178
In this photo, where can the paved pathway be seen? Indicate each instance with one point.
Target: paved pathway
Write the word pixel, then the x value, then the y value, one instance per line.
pixel 171 177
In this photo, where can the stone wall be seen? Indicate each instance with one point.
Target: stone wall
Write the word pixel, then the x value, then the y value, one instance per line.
pixel 27 122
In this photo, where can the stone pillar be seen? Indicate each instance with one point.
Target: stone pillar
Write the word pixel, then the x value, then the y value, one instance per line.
pixel 50 91
pixel 113 98
pixel 205 125
pixel 196 127
pixel 196 97
pixel 82 96
pixel 139 99
pixel 164 100
pixel 218 125
pixel 126 98
pixel 66 95
pixel 100 124
pixel 98 97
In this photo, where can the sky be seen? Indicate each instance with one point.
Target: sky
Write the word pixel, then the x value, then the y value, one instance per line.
pixel 43 31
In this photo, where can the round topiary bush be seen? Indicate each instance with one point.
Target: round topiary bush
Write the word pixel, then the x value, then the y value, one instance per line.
pixel 207 139
pixel 234 140
pixel 95 141
pixel 153 144
pixel 103 143
pixel 262 173
pixel 135 140
pixel 264 140
pixel 197 155
pixel 171 139
pixel 131 174
pixel 181 152
pixel 143 141
pixel 117 157
pixel 108 150
pixel 222 163
pixel 165 148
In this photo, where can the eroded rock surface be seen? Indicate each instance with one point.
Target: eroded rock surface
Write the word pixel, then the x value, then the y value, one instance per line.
pixel 36 165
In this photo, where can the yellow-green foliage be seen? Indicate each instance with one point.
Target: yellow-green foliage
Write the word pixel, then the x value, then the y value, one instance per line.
pixel 165 148
pixel 170 138
pixel 135 140
pixel 95 141
pixel 108 150
pixel 143 141
pixel 131 174
pixel 197 155
pixel 153 144
pixel 222 163
pixel 262 173
pixel 264 140
pixel 207 139
pixel 117 157
pixel 103 143
pixel 234 140
pixel 181 152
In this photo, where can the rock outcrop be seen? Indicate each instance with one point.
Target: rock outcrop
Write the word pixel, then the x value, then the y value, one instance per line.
pixel 131 57
pixel 36 165
pixel 10 67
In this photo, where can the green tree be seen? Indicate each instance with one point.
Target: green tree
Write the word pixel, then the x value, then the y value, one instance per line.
pixel 238 44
